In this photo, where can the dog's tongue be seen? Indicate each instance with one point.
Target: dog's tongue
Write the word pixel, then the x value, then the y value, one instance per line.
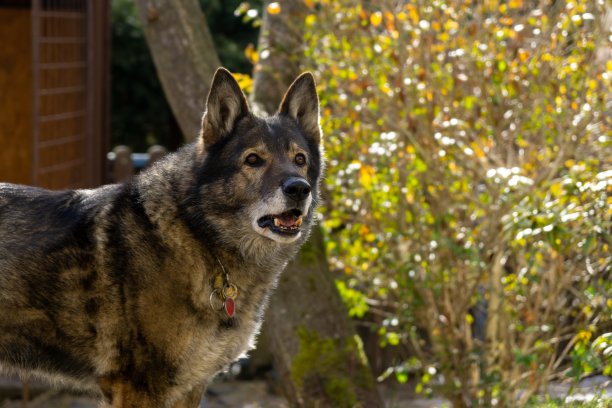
pixel 286 219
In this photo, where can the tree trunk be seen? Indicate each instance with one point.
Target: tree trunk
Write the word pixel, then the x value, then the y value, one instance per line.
pixel 317 352
pixel 184 56
pixel 280 54
pixel 316 349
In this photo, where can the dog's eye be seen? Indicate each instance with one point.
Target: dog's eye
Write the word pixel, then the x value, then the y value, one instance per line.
pixel 253 160
pixel 300 159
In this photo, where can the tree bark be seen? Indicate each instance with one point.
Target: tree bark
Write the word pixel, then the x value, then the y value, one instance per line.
pixel 184 56
pixel 315 347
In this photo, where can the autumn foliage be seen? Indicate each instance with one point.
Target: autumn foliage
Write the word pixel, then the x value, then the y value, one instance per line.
pixel 468 186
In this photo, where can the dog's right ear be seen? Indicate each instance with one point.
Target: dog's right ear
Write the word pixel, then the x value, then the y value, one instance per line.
pixel 225 105
pixel 301 102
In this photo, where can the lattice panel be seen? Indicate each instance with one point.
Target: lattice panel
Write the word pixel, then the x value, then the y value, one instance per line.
pixel 62 148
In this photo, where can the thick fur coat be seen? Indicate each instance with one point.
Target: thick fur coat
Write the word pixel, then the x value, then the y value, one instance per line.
pixel 116 289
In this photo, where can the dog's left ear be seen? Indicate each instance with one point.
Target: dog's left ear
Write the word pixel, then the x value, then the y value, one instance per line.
pixel 301 102
pixel 225 105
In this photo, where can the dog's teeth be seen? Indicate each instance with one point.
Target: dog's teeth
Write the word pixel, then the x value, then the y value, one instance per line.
pixel 299 221
pixel 276 222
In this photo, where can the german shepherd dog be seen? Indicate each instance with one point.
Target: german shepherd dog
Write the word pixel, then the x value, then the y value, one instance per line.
pixel 144 290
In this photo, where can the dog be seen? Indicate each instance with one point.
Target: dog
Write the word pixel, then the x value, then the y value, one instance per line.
pixel 143 291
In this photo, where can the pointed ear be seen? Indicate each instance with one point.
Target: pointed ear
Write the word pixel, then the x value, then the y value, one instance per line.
pixel 301 102
pixel 225 105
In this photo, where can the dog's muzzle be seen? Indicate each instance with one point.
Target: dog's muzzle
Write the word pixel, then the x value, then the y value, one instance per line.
pixel 280 218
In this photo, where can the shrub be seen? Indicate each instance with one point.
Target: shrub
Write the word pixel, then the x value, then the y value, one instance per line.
pixel 469 185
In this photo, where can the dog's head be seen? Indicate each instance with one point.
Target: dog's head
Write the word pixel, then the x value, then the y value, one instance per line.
pixel 260 176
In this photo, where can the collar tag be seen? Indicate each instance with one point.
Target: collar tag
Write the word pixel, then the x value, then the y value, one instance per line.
pixel 224 294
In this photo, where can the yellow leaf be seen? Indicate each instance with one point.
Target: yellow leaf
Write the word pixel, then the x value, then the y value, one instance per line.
pixel 451 25
pixel 584 336
pixel 364 230
pixel 310 19
pixel 274 8
pixel 414 15
pixel 477 150
pixel 389 17
pixel 376 18
pixel 251 53
pixel 547 57
pixel 444 37
pixel 366 175
pixel 245 81
pixel 522 143
pixel 309 4
pixel 556 189
pixel 469 319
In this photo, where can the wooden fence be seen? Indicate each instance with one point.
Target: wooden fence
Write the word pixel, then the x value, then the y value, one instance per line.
pixel 123 163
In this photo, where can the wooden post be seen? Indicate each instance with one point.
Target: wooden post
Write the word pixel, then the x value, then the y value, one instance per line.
pixel 155 153
pixel 123 168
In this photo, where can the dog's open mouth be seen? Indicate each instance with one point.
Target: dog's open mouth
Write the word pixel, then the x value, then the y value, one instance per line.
pixel 287 223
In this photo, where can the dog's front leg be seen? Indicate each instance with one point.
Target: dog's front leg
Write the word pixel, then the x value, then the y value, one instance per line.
pixel 119 393
pixel 191 399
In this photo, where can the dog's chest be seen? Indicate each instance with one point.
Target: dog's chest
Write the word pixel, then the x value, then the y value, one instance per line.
pixel 220 339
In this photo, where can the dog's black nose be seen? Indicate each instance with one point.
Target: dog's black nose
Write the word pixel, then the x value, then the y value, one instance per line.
pixel 296 188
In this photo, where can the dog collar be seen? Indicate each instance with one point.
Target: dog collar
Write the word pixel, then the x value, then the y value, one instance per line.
pixel 224 293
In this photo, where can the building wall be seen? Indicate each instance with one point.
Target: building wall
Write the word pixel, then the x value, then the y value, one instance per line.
pixel 15 95
pixel 54 81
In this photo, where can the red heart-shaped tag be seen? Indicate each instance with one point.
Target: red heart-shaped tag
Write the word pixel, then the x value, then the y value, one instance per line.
pixel 230 307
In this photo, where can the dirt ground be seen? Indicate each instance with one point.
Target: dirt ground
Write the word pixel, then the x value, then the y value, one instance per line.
pixel 259 394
